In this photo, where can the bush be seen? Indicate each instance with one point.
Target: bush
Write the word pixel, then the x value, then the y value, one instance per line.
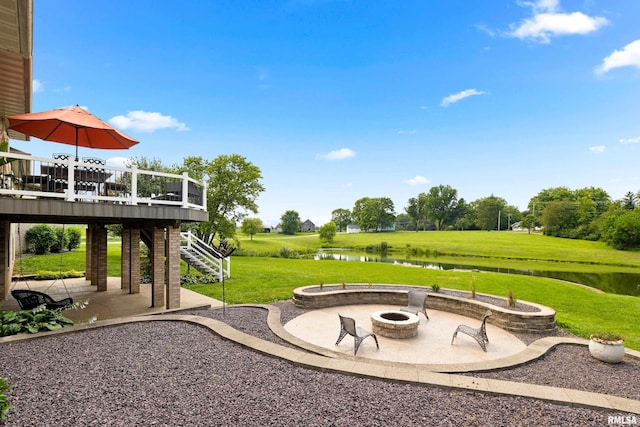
pixel 41 238
pixel 74 234
pixel 4 401
pixel 61 240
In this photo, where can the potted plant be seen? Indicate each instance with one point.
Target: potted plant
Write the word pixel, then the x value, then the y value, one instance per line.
pixel 607 347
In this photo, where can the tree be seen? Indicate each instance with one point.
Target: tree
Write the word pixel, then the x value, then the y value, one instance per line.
pixel 625 233
pixel 290 222
pixel 488 209
pixel 373 213
pixel 233 185
pixel 417 210
pixel 442 206
pixel 629 200
pixel 252 226
pixel 328 232
pixel 560 219
pixel 341 217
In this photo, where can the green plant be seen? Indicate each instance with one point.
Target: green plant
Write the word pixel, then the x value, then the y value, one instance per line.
pixel 606 337
pixel 41 238
pixel 435 287
pixel 511 301
pixel 473 286
pixel 74 235
pixel 62 240
pixel 4 401
pixel 32 321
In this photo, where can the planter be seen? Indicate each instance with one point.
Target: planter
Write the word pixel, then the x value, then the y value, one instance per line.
pixel 607 351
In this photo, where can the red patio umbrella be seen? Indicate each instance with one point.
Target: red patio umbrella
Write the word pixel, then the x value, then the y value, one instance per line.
pixel 73 126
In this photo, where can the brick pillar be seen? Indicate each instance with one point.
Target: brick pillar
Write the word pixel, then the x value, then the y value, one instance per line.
pixel 134 261
pixel 100 247
pixel 95 242
pixel 5 259
pixel 87 257
pixel 125 259
pixel 157 267
pixel 173 267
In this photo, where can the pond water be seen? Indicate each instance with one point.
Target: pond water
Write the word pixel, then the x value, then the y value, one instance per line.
pixel 615 283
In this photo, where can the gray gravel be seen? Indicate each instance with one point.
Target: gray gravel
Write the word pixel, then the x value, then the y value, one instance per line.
pixel 178 374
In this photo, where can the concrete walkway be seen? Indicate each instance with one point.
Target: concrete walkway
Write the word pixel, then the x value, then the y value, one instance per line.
pixel 432 361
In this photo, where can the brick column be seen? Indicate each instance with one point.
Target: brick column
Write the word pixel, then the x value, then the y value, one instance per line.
pixel 157 267
pixel 125 259
pixel 134 261
pixel 5 259
pixel 173 267
pixel 88 256
pixel 100 247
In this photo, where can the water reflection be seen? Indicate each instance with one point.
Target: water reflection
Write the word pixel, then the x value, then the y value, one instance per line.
pixel 615 283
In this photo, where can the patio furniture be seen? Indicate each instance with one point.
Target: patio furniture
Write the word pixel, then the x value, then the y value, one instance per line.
pixel 479 334
pixel 28 299
pixel 416 301
pixel 348 327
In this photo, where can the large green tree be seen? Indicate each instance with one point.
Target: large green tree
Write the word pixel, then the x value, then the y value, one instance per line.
pixel 341 217
pixel 328 231
pixel 443 206
pixel 233 185
pixel 374 213
pixel 417 211
pixel 290 222
pixel 489 211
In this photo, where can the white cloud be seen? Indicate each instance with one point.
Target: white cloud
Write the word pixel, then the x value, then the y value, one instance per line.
pixel 37 86
pixel 417 180
pixel 597 148
pixel 629 56
pixel 341 154
pixel 630 140
pixel 547 22
pixel 452 99
pixel 146 122
pixel 119 161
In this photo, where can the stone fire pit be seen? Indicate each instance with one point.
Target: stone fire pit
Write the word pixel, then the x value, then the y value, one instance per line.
pixel 394 324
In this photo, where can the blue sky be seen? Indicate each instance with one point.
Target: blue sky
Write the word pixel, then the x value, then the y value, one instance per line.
pixel 335 100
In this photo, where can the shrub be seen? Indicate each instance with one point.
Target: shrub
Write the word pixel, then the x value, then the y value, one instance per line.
pixel 61 241
pixel 74 234
pixel 4 401
pixel 41 238
pixel 511 301
pixel 435 287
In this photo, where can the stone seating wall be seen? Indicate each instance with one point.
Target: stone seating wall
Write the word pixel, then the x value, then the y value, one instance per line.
pixel 542 320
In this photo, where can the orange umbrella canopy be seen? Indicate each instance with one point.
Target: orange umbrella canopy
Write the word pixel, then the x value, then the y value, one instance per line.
pixel 73 126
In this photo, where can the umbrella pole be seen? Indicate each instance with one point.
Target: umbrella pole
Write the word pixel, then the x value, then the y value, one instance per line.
pixel 76 143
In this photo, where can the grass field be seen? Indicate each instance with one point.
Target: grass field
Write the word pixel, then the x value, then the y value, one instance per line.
pixel 266 279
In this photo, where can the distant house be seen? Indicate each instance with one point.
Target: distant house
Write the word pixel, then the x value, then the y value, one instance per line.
pixel 307 226
pixel 353 228
pixel 267 230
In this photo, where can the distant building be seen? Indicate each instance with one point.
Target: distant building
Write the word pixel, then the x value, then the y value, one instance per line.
pixel 307 226
pixel 353 228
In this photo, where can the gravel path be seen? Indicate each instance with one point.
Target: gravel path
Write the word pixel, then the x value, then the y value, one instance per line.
pixel 179 374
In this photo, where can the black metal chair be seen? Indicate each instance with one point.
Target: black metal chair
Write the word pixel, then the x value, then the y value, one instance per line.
pixel 348 327
pixel 28 299
pixel 416 303
pixel 479 334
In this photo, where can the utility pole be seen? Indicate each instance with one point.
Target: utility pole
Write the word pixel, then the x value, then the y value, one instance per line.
pixel 499 219
pixel 509 227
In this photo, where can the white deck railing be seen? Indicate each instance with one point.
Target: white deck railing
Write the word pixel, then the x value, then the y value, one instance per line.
pixel 89 180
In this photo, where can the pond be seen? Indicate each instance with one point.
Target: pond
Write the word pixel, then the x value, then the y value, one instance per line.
pixel 615 282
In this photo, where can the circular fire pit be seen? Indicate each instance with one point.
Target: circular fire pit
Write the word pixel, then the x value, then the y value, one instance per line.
pixel 394 324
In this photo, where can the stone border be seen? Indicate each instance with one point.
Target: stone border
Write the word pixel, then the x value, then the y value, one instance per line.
pixel 541 321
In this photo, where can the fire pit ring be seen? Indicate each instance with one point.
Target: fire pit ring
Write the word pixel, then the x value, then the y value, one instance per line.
pixel 395 324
